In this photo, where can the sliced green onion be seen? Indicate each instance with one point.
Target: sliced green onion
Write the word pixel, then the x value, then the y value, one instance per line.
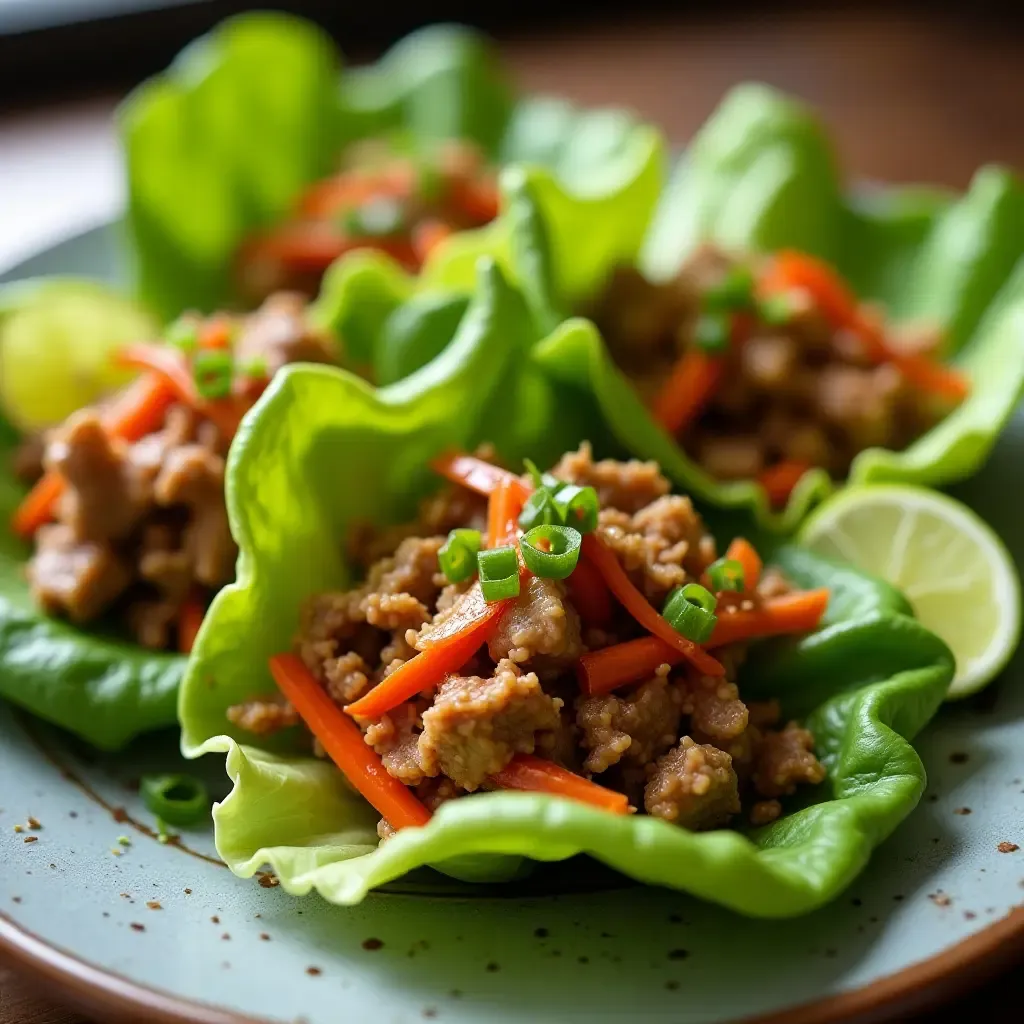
pixel 183 334
pixel 712 332
pixel 213 370
pixel 535 474
pixel 551 551
pixel 734 293
pixel 539 509
pixel 255 368
pixel 499 573
pixel 690 610
pixel 457 556
pixel 726 574
pixel 552 483
pixel 775 310
pixel 179 799
pixel 578 507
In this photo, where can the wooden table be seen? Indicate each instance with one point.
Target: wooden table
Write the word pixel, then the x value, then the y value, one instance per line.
pixel 907 99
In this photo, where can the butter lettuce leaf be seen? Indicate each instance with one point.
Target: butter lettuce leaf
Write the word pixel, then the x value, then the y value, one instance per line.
pixel 321 451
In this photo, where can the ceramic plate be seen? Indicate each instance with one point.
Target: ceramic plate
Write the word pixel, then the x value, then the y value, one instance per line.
pixel 164 932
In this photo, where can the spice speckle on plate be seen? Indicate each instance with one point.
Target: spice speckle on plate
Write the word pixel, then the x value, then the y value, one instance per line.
pixel 31 839
pixel 372 944
pixel 940 899
pixel 962 810
pixel 34 823
pixel 264 937
pixel 154 905
pixel 1005 847
pixel 314 972
pixel 136 927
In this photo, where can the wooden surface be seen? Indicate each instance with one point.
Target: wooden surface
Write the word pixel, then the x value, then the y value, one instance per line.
pixel 907 100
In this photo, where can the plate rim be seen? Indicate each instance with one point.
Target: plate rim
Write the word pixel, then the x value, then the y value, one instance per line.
pixel 918 987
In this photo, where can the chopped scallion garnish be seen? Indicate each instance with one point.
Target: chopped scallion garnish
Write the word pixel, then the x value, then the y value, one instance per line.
pixel 775 310
pixel 254 368
pixel 690 611
pixel 539 509
pixel 733 294
pixel 712 332
pixel 551 551
pixel 499 573
pixel 457 556
pixel 183 334
pixel 726 574
pixel 179 799
pixel 578 507
pixel 213 370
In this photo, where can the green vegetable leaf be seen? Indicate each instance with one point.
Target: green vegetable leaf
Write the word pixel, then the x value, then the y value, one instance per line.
pixel 759 177
pixel 870 677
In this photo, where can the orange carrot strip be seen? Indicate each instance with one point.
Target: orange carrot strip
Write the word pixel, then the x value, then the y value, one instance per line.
pixel 216 334
pixel 342 740
pixel 536 775
pixel 742 551
pixel 311 248
pixel 589 595
pixel 604 561
pixel 174 368
pixel 602 671
pixel 688 389
pixel 477 474
pixel 428 235
pixel 476 198
pixel 138 411
pixel 190 618
pixel 354 188
pixel 779 480
pixel 503 510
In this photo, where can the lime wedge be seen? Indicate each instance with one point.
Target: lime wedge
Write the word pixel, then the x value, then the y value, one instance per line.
pixel 57 341
pixel 954 570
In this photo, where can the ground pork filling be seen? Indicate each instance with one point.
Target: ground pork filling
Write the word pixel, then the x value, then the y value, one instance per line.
pixel 799 392
pixel 682 747
pixel 141 528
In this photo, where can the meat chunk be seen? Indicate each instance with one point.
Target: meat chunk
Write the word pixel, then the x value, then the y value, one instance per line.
pixel 28 459
pixel 335 641
pixel 168 569
pixel 395 736
pixel 263 716
pixel 475 726
pixel 716 711
pixel 106 493
pixel 627 486
pixel 79 579
pixel 279 332
pixel 193 476
pixel 661 546
pixel 785 760
pixel 541 627
pixel 693 786
pixel 411 570
pixel 635 728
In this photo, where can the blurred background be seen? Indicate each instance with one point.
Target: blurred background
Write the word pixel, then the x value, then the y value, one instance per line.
pixel 912 91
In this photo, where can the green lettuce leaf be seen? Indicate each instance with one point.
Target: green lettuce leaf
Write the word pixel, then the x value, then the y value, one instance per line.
pixel 869 679
pixel 759 177
pixel 225 140
pixel 94 684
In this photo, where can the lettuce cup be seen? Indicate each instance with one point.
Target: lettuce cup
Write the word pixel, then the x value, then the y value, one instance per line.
pixel 116 533
pixel 255 161
pixel 772 338
pixel 474 663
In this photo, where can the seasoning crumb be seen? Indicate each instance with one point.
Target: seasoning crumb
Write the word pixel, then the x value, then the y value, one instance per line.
pixel 373 944
pixel 19 828
pixel 678 954
pixel 959 757
pixel 264 936
pixel 53 867
pixel 154 905
pixel 31 839
pixel 962 810
pixel 215 919
pixel 672 985
pixel 541 933
pixel 268 879
pixel 124 841
pixel 1005 847
pixel 492 967
pixel 188 892
pixel 119 814
pixel 72 814
pixel 940 899
pixel 225 937
pixel 969 915
pixel 314 972
pixel 34 824
pixel 116 851
pixel 16 899
pixel 136 927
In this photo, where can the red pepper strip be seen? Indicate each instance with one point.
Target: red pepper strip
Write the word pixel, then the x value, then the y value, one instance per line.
pixel 742 551
pixel 477 474
pixel 779 480
pixel 190 619
pixel 476 198
pixel 788 270
pixel 692 382
pixel 536 775
pixel 174 368
pixel 351 189
pixel 341 738
pixel 604 561
pixel 589 595
pixel 428 235
pixel 138 411
pixel 605 670
pixel 311 248
pixel 502 512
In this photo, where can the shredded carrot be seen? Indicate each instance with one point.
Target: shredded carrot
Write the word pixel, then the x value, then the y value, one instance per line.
pixel 604 561
pixel 688 389
pixel 536 775
pixel 605 670
pixel 589 595
pixel 342 740
pixel 796 270
pixel 190 618
pixel 138 411
pixel 779 480
pixel 742 551
pixel 313 248
pixel 174 368
pixel 354 188
pixel 216 334
pixel 477 474
pixel 503 510
pixel 428 235
pixel 477 198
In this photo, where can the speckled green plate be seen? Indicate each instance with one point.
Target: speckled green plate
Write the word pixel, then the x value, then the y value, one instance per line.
pixel 164 933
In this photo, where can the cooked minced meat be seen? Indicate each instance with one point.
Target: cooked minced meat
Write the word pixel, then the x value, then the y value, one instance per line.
pixel 683 746
pixel 141 527
pixel 797 392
